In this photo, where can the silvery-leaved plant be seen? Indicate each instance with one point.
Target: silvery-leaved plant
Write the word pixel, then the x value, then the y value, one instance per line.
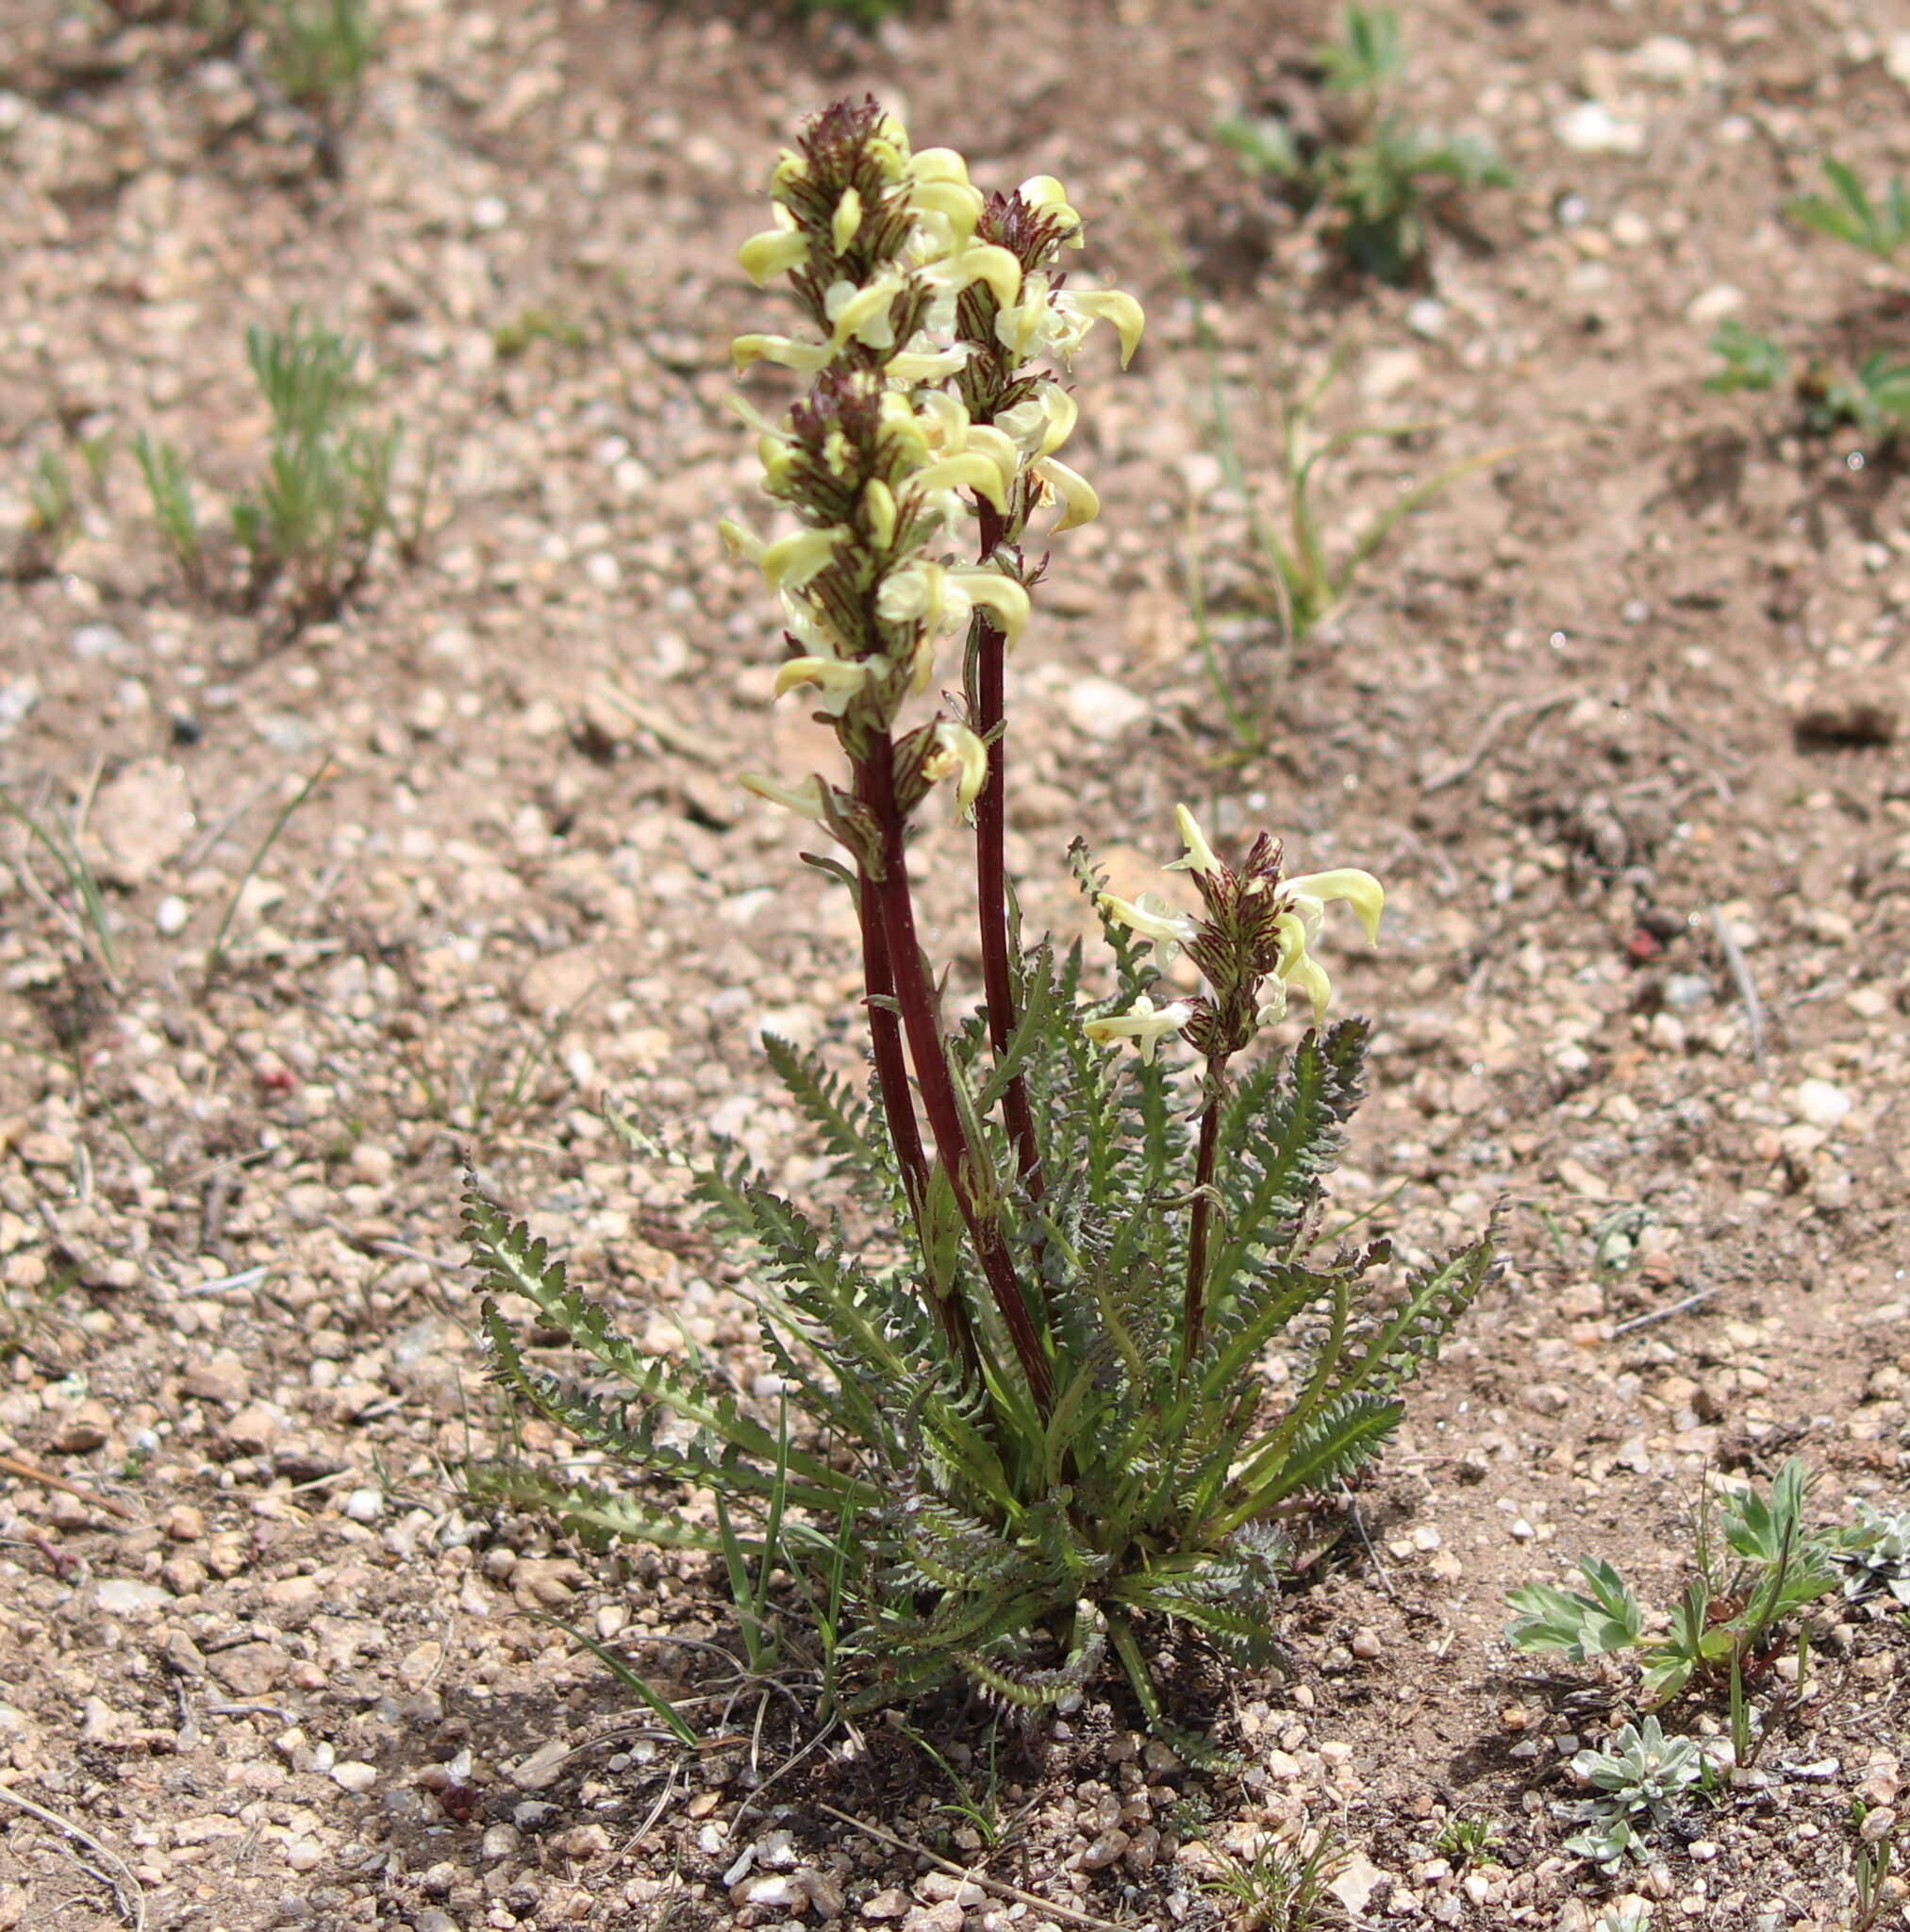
pixel 1023 1421
pixel 1639 1778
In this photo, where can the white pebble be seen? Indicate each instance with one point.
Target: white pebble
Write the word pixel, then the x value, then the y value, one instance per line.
pixel 171 914
pixel 1590 127
pixel 304 1853
pixel 1426 317
pixel 1102 709
pixel 364 1505
pixel 1714 305
pixel 355 1775
pixel 1822 1102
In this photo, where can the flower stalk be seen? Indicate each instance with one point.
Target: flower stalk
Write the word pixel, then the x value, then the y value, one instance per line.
pixel 932 310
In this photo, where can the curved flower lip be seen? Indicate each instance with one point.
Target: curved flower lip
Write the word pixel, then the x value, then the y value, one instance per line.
pixel 805 358
pixel 982 261
pixel 1165 928
pixel 1143 1023
pixel 929 365
pixel 957 750
pixel 957 204
pixel 1079 502
pixel 1309 976
pixel 1003 595
pixel 1110 304
pixel 1360 890
pixel 938 164
pixel 966 470
pixel 1045 190
pixel 838 679
pixel 863 313
pixel 772 252
pixel 1200 855
pixel 790 562
pixel 804 800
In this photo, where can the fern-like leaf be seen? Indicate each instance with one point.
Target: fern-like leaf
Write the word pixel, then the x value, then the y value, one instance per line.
pixel 598 1516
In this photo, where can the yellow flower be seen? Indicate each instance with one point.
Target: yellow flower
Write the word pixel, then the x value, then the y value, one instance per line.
pixel 940 596
pixel 1304 909
pixel 1047 322
pixel 837 679
pixel 1149 917
pixel 1076 493
pixel 804 800
pixel 1143 1023
pixel 957 750
pixel 772 252
pixel 1200 855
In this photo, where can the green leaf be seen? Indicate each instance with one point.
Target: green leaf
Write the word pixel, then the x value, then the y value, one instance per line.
pixel 840 1116
pixel 1368 52
pixel 1848 214
pixel 1580 1626
pixel 1751 361
pixel 1348 1433
pixel 619 1669
pixel 1434 1301
pixel 599 1516
pixel 1265 144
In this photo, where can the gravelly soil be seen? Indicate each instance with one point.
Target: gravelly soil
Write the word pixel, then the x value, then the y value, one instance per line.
pixel 1620 719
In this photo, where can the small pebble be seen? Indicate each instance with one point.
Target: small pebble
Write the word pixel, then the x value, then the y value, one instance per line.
pixel 364 1505
pixel 1821 1102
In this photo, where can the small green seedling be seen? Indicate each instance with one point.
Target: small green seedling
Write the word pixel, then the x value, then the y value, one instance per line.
pixel 1879 228
pixel 311 518
pixel 1639 1778
pixel 1870 1871
pixel 1283 1887
pixel 52 518
pixel 1468 1840
pixel 530 325
pixel 863 12
pixel 1387 177
pixel 171 492
pixel 1874 396
pixel 1751 361
pixel 318 51
pixel 1724 1623
pixel 1305 568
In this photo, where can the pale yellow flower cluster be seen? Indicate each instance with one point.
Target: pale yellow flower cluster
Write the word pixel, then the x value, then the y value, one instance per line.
pixel 1252 945
pixel 890 253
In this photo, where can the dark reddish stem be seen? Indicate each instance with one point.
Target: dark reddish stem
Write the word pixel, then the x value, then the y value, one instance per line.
pixel 885 1037
pixel 990 699
pixel 1194 1308
pixel 921 1025
pixel 898 1108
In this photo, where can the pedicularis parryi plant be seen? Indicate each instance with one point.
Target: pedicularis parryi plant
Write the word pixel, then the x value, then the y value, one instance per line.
pixel 1022 1411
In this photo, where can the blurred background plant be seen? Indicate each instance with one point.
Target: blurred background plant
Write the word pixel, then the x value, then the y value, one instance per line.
pixel 1868 390
pixel 307 524
pixel 1301 563
pixel 1381 179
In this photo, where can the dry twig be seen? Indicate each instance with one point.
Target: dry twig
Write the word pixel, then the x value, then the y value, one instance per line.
pixel 1519 708
pixel 12 1465
pixel 1050 1909
pixel 1740 977
pixel 125 1888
